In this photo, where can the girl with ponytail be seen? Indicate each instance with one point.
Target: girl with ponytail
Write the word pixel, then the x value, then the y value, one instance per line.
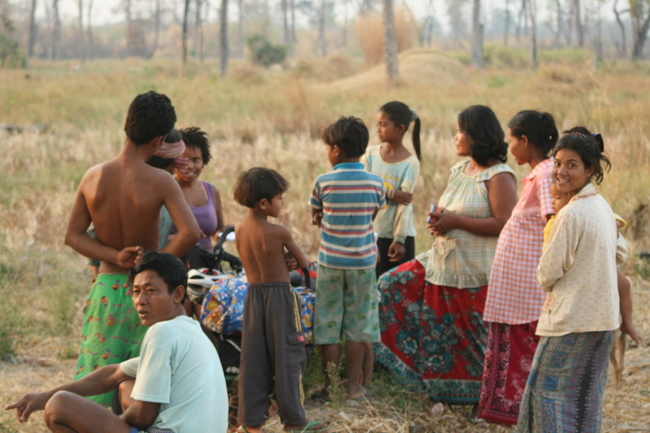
pixel 400 170
pixel 514 297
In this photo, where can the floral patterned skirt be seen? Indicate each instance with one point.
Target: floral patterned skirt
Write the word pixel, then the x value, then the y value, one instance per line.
pixel 509 355
pixel 433 337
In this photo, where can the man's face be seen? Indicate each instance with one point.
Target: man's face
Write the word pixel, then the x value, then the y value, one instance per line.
pixel 152 299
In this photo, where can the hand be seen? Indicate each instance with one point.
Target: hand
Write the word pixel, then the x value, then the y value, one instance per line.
pixel 629 329
pixel 316 218
pixel 292 262
pixel 402 197
pixel 28 404
pixel 441 222
pixel 396 252
pixel 129 256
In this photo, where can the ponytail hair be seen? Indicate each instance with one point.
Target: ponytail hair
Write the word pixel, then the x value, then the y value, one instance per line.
pixel 538 127
pixel 590 147
pixel 400 114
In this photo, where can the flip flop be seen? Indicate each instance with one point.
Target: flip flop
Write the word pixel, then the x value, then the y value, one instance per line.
pixel 309 428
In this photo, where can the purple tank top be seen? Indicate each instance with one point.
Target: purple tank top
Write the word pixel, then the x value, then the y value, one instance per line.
pixel 206 217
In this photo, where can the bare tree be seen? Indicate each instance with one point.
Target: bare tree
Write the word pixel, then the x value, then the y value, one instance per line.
pixel 56 33
pixel 390 42
pixel 223 38
pixel 578 23
pixel 186 13
pixel 32 29
pixel 240 29
pixel 286 24
pixel 477 36
pixel 640 17
pixel 623 47
pixel 292 6
pixel 532 9
pixel 522 20
pixel 507 24
pixel 89 26
pixel 322 37
pixel 426 33
pixel 80 4
pixel 456 20
pixel 156 24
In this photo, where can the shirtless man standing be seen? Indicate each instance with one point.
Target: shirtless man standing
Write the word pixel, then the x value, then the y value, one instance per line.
pixel 123 197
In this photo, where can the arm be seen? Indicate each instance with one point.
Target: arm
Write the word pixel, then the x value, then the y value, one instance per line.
pixel 98 382
pixel 188 232
pixel 403 213
pixel 219 209
pixel 559 252
pixel 624 292
pixel 141 414
pixel 317 216
pixel 293 248
pixel 77 237
pixel 502 195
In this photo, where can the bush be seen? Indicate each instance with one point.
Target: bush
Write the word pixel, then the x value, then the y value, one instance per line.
pixel 264 53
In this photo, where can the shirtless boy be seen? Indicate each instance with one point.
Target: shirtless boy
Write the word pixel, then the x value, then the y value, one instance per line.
pixel 123 198
pixel 273 346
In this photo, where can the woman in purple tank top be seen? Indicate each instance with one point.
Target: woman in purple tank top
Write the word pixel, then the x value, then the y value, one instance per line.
pixel 203 197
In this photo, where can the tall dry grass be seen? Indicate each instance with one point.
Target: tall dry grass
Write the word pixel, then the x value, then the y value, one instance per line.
pixel 274 119
pixel 370 34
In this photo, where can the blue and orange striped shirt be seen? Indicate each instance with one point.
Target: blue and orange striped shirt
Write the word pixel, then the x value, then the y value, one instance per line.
pixel 348 197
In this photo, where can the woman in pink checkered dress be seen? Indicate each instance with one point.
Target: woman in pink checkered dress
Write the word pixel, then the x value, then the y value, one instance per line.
pixel 514 298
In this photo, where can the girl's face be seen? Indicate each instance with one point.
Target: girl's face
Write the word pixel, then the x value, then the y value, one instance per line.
pixel 463 143
pixel 387 131
pixel 569 172
pixel 519 148
pixel 194 165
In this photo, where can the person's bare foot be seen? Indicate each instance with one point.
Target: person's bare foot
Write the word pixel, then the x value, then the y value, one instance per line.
pixel 360 394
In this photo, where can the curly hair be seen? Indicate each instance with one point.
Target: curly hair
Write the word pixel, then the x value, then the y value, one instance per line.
pixel 195 138
pixel 480 124
pixel 150 115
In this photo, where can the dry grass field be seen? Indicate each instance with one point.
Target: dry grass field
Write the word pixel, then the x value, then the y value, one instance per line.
pixel 273 118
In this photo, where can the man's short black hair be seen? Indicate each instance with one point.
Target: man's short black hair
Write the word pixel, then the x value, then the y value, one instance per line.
pixel 150 115
pixel 167 266
pixel 258 183
pixel 350 134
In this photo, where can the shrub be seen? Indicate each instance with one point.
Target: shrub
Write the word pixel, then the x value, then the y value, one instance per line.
pixel 264 53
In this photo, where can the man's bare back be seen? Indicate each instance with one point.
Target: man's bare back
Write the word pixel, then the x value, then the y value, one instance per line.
pixel 261 245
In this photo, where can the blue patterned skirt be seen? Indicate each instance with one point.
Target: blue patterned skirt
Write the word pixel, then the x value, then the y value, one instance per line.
pixel 566 385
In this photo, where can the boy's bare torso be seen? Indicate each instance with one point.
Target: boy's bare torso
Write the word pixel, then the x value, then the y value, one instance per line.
pixel 260 245
pixel 123 198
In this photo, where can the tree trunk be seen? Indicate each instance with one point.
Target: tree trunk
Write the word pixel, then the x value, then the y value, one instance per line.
pixel 286 25
pixel 89 25
pixel 578 23
pixel 558 33
pixel 390 42
pixel 322 37
pixel 292 5
pixel 522 21
pixel 240 29
pixel 32 29
pixel 507 24
pixel 623 48
pixel 196 45
pixel 186 13
pixel 640 25
pixel 56 34
pixel 477 36
pixel 223 38
pixel 156 35
pixel 81 31
pixel 532 9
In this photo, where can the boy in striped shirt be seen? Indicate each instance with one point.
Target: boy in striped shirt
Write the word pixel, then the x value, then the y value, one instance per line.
pixel 344 202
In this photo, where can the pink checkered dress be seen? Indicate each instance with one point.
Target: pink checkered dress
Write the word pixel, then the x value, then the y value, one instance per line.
pixel 514 296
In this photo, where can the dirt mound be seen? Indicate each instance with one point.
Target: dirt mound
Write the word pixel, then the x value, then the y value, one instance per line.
pixel 420 67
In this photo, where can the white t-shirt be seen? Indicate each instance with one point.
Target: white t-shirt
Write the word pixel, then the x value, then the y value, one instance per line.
pixel 179 368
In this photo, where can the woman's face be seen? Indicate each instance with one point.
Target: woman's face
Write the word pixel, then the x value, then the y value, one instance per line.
pixel 569 172
pixel 194 165
pixel 463 143
pixel 518 148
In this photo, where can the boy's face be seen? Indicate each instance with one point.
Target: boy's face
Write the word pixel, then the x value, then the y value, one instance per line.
pixel 560 199
pixel 274 207
pixel 334 154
